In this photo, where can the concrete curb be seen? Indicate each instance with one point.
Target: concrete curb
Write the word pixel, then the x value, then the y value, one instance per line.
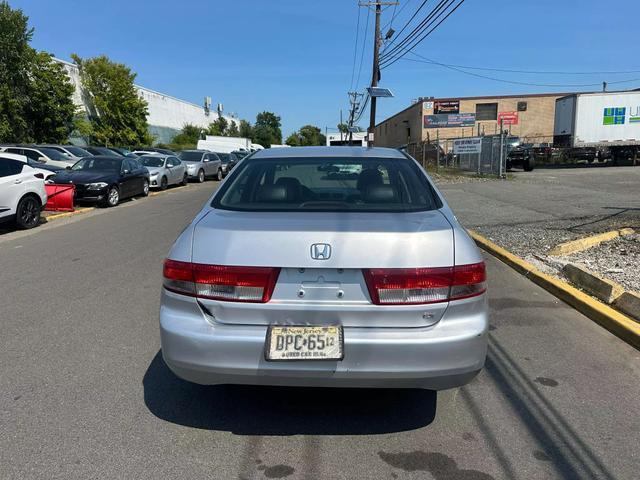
pixel 81 210
pixel 586 243
pixel 617 323
pixel 600 287
pixel 629 303
pixel 77 211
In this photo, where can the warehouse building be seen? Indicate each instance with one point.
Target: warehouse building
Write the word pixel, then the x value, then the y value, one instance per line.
pixel 167 114
pixel 528 116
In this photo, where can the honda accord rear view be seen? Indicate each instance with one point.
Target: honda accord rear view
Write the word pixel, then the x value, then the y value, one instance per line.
pixel 325 266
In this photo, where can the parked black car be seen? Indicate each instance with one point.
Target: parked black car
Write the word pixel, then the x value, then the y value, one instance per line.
pixel 100 151
pixel 106 179
pixel 228 160
pixel 521 156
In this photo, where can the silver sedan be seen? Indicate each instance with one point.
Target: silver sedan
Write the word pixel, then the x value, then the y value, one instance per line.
pixel 164 170
pixel 325 266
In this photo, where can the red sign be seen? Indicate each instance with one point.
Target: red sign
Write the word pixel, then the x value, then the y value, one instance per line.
pixel 508 118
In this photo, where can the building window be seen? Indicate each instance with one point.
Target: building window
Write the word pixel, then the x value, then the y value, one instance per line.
pixel 486 111
pixel 522 106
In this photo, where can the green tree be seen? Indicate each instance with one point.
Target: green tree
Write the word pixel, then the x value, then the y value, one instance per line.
pixel 343 128
pixel 233 131
pixel 16 57
pixel 82 126
pixel 50 110
pixel 218 127
pixel 307 136
pixel 293 140
pixel 117 113
pixel 189 135
pixel 266 130
pixel 245 129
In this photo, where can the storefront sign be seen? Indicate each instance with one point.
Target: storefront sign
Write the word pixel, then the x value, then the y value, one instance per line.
pixel 444 120
pixel 508 118
pixel 448 106
pixel 467 145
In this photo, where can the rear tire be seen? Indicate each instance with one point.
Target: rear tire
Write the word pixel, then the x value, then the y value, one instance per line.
pixel 201 176
pixel 185 180
pixel 145 188
pixel 528 164
pixel 219 175
pixel 163 183
pixel 28 212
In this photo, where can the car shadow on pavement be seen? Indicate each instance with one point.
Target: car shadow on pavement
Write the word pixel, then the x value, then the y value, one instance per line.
pixel 255 410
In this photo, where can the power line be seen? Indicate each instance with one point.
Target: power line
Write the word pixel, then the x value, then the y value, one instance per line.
pixel 406 24
pixel 419 28
pixel 364 39
pixel 426 60
pixel 540 72
pixel 415 43
pixel 355 50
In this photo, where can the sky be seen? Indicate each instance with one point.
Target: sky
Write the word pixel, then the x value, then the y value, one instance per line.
pixel 296 57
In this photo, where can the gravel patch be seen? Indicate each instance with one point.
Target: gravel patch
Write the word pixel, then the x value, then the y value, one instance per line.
pixel 617 260
pixel 450 178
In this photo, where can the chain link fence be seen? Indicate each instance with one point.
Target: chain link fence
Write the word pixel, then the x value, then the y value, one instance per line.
pixel 494 154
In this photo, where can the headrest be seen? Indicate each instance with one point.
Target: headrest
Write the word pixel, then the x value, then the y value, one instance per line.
pixel 380 194
pixel 276 194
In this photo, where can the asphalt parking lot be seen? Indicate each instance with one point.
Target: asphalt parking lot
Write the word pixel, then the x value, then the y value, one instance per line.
pixel 84 392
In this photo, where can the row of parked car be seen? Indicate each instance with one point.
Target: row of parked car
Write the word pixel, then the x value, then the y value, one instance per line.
pixel 99 174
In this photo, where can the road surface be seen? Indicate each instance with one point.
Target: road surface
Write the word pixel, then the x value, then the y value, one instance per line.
pixel 84 392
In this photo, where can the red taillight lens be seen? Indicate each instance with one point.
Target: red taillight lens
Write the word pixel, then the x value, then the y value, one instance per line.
pixel 412 286
pixel 218 282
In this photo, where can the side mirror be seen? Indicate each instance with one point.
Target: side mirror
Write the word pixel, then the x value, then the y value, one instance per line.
pixel 126 171
pixel 42 159
pixel 67 168
pixel 205 160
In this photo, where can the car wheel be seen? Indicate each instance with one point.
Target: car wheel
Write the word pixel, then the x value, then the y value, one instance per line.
pixel 219 175
pixel 113 197
pixel 28 212
pixel 185 180
pixel 163 183
pixel 145 188
pixel 200 176
pixel 529 164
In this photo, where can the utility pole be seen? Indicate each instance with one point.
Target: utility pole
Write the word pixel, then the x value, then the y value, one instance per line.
pixel 354 104
pixel 375 74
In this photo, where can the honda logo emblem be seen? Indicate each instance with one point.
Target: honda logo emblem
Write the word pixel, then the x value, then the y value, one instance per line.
pixel 321 251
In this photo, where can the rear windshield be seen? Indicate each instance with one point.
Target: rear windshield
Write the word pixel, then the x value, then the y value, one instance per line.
pixel 151 161
pixel 187 156
pixel 224 157
pixel 327 184
pixel 78 152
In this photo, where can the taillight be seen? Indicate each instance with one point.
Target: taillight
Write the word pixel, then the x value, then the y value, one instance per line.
pixel 412 286
pixel 220 282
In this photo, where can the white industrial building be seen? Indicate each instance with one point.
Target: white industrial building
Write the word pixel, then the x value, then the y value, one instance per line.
pixel 167 114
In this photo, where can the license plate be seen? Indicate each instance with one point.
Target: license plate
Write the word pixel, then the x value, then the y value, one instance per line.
pixel 304 343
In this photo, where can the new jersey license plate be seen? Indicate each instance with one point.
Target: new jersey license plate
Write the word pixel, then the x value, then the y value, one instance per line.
pixel 304 343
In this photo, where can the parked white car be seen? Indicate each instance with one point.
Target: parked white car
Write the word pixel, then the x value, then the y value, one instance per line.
pixel 22 192
pixel 46 155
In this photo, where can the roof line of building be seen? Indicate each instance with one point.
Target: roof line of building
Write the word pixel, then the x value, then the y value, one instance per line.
pixel 73 65
pixel 481 97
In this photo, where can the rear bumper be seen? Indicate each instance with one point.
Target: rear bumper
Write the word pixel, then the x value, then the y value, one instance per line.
pixel 445 355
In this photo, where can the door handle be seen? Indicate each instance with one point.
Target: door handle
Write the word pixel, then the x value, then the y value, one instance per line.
pixel 17 181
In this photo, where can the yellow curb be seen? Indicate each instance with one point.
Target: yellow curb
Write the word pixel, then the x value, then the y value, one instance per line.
pixel 77 211
pixel 588 242
pixel 614 321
